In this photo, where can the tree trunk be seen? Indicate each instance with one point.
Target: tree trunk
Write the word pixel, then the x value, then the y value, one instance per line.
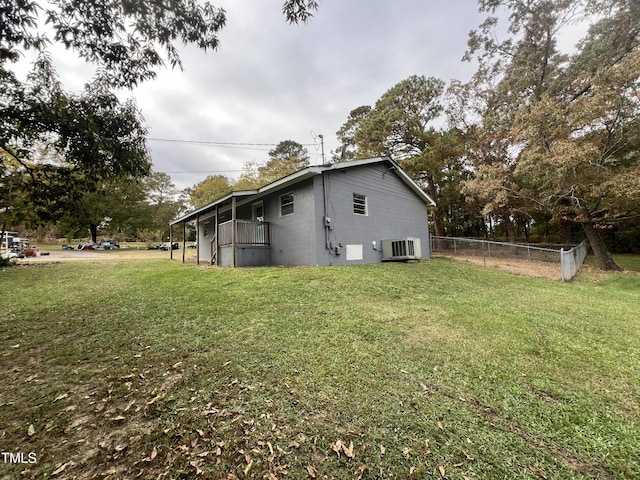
pixel 438 224
pixel 599 248
pixel 508 226
pixel 93 229
pixel 565 231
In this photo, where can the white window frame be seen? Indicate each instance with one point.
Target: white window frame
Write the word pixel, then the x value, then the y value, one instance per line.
pixel 285 205
pixel 362 202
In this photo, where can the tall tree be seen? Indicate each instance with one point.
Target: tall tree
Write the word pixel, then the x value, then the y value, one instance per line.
pixel 285 158
pixel 98 137
pixel 348 149
pixel 163 201
pixel 208 190
pixel 400 124
pixel 118 204
pixel 572 119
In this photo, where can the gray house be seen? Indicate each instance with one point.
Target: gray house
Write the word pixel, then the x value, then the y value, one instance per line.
pixel 362 211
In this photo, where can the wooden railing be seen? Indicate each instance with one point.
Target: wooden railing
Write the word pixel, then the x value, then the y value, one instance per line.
pixel 247 233
pixel 214 249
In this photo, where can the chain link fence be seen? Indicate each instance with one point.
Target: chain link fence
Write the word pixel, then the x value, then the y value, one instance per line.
pixel 568 258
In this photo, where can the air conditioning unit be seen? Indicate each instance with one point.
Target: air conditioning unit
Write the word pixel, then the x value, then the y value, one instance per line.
pixel 401 249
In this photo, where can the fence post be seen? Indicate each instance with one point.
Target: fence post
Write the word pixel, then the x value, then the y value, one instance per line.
pixel 562 263
pixel 484 255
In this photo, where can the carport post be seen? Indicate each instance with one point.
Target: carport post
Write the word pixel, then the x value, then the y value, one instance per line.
pixel 170 240
pixel 233 229
pixel 197 238
pixel 184 241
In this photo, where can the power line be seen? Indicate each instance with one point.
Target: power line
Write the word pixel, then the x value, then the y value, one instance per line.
pixel 205 171
pixel 239 145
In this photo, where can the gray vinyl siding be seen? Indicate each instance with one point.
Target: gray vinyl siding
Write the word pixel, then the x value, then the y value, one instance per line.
pixel 393 211
pixel 293 240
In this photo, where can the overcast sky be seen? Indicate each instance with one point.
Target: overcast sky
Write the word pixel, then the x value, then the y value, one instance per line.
pixel 270 81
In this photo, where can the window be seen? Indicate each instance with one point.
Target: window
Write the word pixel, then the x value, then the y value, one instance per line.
pixel 286 204
pixel 359 204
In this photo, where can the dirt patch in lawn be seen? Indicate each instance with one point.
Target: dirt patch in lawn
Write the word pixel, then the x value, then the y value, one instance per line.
pixel 550 271
pixel 103 256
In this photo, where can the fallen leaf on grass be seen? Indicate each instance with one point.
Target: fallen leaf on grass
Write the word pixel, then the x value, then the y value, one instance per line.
pixel 154 399
pixel 349 452
pixel 440 425
pixel 61 468
pixel 360 471
pixel 337 447
pixel 311 471
pixel 60 397
pixel 31 431
pixel 442 471
pixel 382 449
pixel 195 465
pixel 248 468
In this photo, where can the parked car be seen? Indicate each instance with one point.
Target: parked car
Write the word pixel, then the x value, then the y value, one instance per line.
pixel 167 246
pixel 108 244
pixel 10 255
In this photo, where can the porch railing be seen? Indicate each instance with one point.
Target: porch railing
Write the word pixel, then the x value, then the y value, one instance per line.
pixel 247 233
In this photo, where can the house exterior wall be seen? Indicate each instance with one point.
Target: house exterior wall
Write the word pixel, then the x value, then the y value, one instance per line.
pixel 246 256
pixel 393 211
pixel 293 239
pixel 204 241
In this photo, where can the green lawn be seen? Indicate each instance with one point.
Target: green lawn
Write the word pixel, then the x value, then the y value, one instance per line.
pixel 429 370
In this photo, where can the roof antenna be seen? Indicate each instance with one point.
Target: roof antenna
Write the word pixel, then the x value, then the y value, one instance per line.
pixel 321 137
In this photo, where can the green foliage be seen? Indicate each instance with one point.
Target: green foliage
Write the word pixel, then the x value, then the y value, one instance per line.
pixel 210 189
pixel 347 135
pixel 400 125
pixel 285 158
pixel 297 11
pixel 92 137
pixel 56 146
pixel 559 131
